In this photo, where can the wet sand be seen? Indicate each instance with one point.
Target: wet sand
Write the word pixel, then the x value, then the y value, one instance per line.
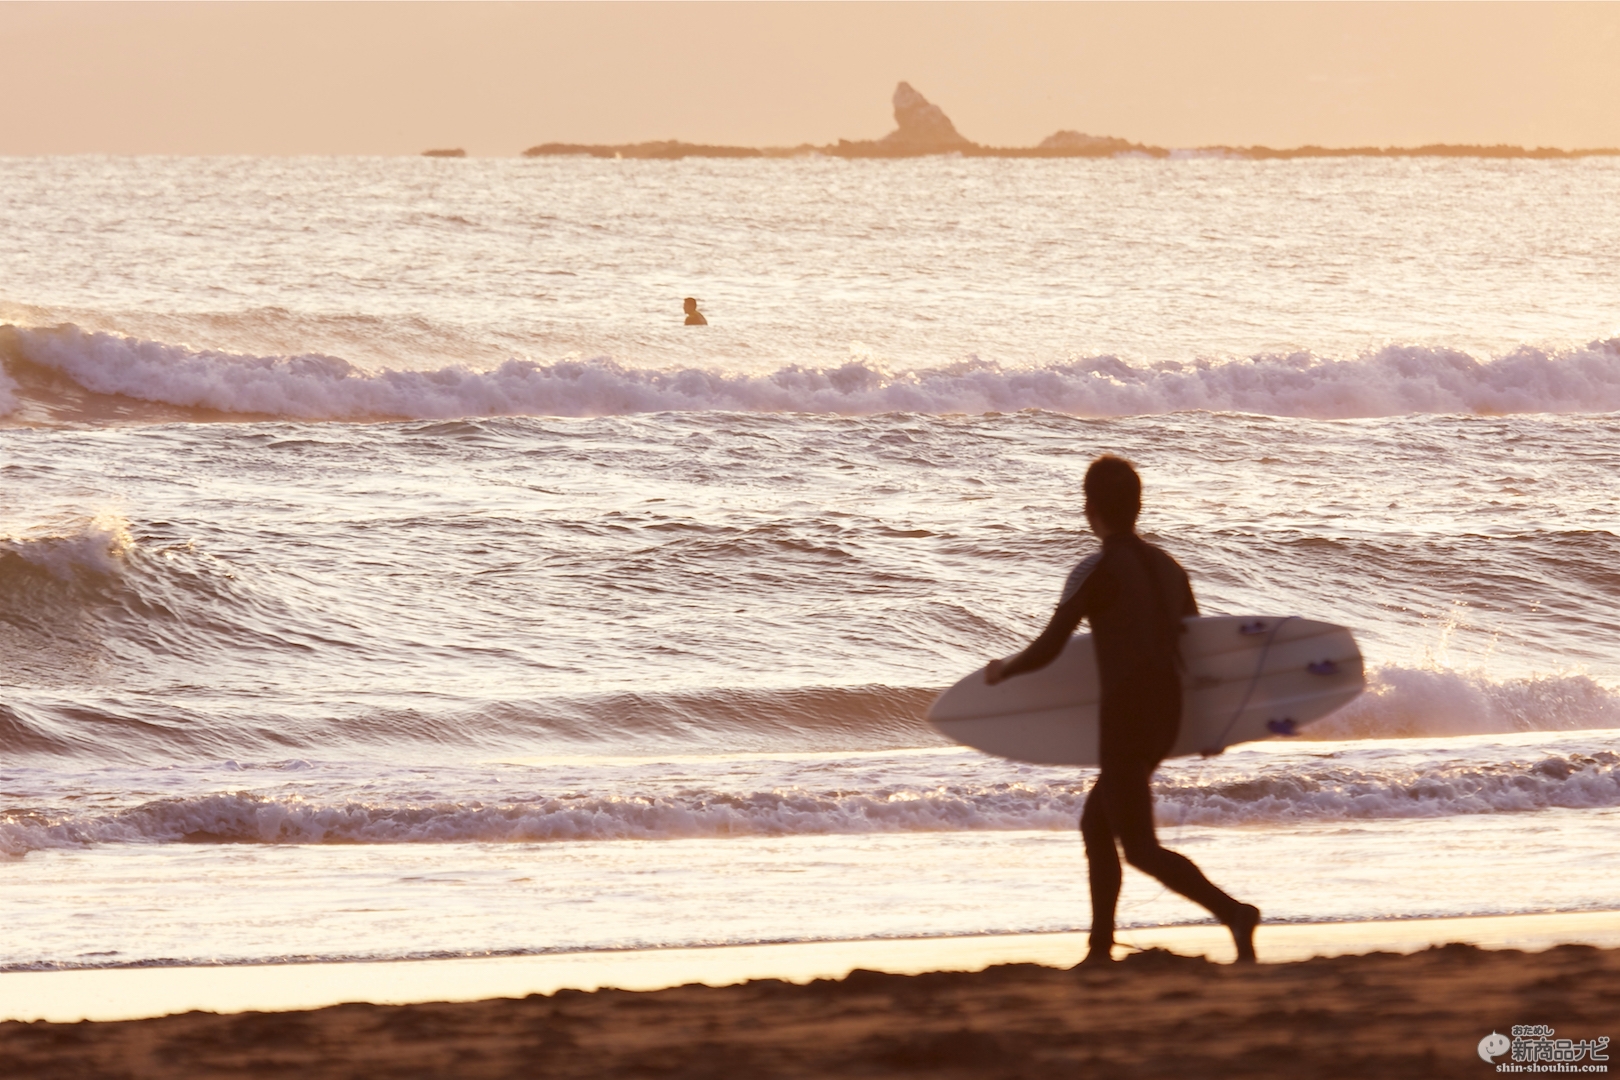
pixel 137 993
pixel 1154 1014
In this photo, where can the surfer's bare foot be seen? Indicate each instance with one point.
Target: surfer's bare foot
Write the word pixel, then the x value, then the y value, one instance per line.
pixel 1097 956
pixel 1242 927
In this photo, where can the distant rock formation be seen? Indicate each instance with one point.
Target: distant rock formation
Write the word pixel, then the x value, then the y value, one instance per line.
pixel 444 153
pixel 1076 142
pixel 922 128
pixel 921 125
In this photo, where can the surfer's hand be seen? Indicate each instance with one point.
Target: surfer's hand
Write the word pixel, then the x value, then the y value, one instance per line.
pixel 992 672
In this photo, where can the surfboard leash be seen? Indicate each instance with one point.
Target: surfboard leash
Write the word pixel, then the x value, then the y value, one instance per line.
pixel 1254 680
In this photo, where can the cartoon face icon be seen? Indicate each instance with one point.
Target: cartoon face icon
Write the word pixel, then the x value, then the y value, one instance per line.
pixel 1494 1046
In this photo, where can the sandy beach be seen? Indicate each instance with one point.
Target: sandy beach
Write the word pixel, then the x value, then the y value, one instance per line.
pixel 138 993
pixel 1153 1014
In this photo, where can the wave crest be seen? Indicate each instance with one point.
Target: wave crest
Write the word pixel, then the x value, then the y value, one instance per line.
pixel 1409 702
pixel 1399 703
pixel 1331 791
pixel 95 547
pixel 1321 791
pixel 1395 380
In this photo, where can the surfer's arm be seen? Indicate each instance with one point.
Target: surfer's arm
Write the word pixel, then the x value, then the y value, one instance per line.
pixel 1044 649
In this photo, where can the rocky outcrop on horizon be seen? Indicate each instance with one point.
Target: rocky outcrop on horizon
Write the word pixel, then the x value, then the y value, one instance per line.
pixel 922 130
pixel 921 125
pixel 1079 142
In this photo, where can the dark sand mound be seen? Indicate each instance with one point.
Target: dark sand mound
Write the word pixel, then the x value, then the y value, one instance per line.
pixel 1155 1015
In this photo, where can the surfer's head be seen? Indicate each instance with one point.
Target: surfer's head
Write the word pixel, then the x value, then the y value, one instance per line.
pixel 690 305
pixel 1113 493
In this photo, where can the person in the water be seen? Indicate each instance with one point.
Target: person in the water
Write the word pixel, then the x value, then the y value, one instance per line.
pixel 694 317
pixel 1134 596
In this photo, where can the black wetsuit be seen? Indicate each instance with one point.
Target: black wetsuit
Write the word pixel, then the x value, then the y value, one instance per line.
pixel 1134 596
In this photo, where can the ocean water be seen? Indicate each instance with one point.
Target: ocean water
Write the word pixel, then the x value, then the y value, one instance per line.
pixel 385 572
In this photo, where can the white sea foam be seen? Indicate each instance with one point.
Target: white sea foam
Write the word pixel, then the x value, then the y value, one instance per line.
pixel 1336 788
pixel 1392 381
pixel 8 394
pixel 1331 790
pixel 95 546
pixel 1402 702
pixel 249 818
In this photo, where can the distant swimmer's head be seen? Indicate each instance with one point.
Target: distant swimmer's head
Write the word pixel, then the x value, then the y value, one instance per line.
pixel 690 304
pixel 1113 493
pixel 693 317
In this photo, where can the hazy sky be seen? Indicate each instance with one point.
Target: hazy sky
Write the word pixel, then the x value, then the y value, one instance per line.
pixel 385 78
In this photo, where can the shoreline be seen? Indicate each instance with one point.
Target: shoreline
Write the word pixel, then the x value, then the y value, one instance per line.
pixel 1423 1015
pixel 137 993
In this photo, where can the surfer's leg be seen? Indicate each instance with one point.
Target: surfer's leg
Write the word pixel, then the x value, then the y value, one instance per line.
pixel 1130 811
pixel 1102 864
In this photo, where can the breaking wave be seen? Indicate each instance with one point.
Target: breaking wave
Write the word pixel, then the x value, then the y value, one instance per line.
pixel 1415 702
pixel 1326 790
pixel 1334 791
pixel 1400 703
pixel 94 547
pixel 1395 380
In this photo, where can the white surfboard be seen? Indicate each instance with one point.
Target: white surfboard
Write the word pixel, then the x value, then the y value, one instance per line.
pixel 1247 677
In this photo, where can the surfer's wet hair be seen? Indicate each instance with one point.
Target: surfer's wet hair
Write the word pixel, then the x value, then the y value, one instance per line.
pixel 1114 492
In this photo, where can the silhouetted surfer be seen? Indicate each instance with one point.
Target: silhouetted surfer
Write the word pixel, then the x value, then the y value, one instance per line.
pixel 1134 596
pixel 694 317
